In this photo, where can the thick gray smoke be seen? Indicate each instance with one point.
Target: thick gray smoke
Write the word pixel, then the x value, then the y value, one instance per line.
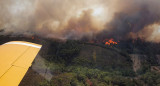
pixel 51 18
pixel 78 19
pixel 133 17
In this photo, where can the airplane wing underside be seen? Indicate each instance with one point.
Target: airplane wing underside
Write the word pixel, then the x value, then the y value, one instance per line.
pixel 15 59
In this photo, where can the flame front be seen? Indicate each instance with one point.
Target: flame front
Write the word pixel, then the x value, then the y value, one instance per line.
pixel 111 41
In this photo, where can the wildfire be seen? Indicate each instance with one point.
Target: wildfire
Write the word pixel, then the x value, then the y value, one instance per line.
pixel 32 37
pixel 111 41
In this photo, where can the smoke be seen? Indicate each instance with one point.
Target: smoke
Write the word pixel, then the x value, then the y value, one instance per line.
pixel 52 18
pixel 78 19
pixel 133 17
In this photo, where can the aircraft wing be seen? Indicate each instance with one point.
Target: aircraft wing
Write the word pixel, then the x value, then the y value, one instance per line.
pixel 15 59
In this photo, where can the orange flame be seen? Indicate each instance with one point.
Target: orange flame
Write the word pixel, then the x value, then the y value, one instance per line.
pixel 32 37
pixel 111 42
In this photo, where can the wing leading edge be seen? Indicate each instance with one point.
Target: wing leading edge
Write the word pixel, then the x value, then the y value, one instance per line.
pixel 15 59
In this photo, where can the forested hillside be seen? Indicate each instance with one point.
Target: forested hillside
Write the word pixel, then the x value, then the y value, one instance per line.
pixel 77 63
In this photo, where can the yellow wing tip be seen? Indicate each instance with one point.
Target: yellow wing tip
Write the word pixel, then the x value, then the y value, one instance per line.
pixel 25 43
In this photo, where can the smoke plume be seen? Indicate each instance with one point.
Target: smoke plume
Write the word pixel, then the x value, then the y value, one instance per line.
pixel 133 17
pixel 78 19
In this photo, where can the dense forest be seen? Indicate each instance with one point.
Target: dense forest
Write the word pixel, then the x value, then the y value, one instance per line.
pixel 78 63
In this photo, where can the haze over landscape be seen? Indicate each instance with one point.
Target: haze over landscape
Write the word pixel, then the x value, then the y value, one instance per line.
pixel 91 19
